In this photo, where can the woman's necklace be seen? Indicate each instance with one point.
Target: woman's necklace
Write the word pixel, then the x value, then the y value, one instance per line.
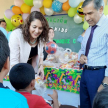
pixel 33 42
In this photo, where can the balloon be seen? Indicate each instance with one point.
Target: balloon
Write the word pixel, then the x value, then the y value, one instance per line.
pixel 81 0
pixel 16 10
pixel 62 1
pixel 77 19
pixel 4 31
pixel 51 47
pixel 106 10
pixel 25 8
pixel 72 12
pixel 47 3
pixel 57 6
pixel 66 6
pixel 16 20
pixel 8 36
pixel 12 7
pixel 74 3
pixel 48 11
pixel 42 10
pixel 28 2
pixel 38 3
pixel 9 26
pixel 80 10
pixel 18 2
pixel 85 25
pixel 35 9
pixel 8 13
pixel 24 16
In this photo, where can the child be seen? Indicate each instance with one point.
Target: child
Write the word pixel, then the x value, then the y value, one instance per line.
pixel 22 78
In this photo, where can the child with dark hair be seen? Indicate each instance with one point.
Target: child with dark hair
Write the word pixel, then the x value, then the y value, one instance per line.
pixel 22 78
pixel 101 99
pixel 8 98
pixel 3 24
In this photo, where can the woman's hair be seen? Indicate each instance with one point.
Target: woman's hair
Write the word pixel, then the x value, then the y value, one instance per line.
pixel 25 27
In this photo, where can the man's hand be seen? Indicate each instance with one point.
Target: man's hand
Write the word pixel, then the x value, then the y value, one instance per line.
pixel 100 88
pixel 83 59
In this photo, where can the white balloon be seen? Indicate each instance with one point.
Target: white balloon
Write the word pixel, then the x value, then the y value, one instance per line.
pixel 74 3
pixel 77 19
pixel 62 1
pixel 38 3
pixel 48 11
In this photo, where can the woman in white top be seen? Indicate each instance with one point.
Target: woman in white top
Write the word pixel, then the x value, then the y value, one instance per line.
pixel 26 42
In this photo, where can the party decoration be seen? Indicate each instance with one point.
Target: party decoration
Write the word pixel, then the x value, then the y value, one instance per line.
pixel 57 6
pixel 42 10
pixel 106 10
pixel 9 26
pixel 66 6
pixel 16 10
pixel 18 2
pixel 74 3
pixel 24 16
pixel 16 20
pixel 12 7
pixel 35 9
pixel 29 2
pixel 25 8
pixel 72 12
pixel 85 25
pixel 51 47
pixel 8 13
pixel 62 1
pixel 38 3
pixel 80 10
pixel 47 3
pixel 77 19
pixel 48 11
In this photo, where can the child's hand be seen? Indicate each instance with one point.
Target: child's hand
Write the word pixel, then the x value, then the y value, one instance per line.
pixel 54 96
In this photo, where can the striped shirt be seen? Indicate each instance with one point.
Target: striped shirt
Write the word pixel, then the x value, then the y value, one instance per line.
pixel 98 52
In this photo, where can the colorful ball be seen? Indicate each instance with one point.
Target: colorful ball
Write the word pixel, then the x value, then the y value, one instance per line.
pixel 51 47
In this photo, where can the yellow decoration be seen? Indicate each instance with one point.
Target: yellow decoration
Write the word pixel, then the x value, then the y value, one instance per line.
pixel 85 25
pixel 80 10
pixel 106 10
pixel 25 8
pixel 16 20
pixel 42 10
pixel 47 3
pixel 72 12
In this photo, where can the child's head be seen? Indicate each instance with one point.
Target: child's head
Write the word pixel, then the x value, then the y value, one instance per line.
pixel 22 76
pixel 51 33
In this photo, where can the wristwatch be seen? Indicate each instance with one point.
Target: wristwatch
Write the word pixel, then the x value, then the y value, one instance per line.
pixel 104 84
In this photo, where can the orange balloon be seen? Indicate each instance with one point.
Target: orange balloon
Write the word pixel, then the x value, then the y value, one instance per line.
pixel 66 6
pixel 16 10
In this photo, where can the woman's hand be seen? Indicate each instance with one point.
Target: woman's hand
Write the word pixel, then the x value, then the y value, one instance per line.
pixel 41 71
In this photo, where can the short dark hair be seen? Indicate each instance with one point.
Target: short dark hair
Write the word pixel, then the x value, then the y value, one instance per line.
pixel 101 99
pixel 97 3
pixel 4 49
pixel 21 75
pixel 51 29
pixel 2 21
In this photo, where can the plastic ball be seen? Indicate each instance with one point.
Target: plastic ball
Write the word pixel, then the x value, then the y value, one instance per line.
pixel 51 47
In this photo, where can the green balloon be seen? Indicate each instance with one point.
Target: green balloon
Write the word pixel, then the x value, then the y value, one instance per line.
pixel 9 26
pixel 72 12
pixel 85 25
pixel 29 2
pixel 106 10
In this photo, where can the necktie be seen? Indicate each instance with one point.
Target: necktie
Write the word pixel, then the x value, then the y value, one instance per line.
pixel 89 42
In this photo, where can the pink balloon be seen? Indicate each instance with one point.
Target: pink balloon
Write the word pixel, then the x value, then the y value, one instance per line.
pixel 18 2
pixel 24 16
pixel 8 13
pixel 35 9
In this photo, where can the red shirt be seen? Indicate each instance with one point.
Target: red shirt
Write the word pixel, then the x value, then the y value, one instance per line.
pixel 35 101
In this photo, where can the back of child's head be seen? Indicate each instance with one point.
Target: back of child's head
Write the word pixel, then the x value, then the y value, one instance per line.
pixel 101 99
pixel 21 75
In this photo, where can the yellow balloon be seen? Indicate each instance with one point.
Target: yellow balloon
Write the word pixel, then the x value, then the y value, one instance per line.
pixel 42 10
pixel 16 20
pixel 85 25
pixel 47 3
pixel 80 10
pixel 25 8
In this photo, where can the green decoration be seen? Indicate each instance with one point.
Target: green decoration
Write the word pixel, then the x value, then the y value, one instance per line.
pixel 9 26
pixel 74 41
pixel 85 25
pixel 29 2
pixel 106 10
pixel 72 12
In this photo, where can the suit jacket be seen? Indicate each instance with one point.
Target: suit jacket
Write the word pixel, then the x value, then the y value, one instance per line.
pixel 20 49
